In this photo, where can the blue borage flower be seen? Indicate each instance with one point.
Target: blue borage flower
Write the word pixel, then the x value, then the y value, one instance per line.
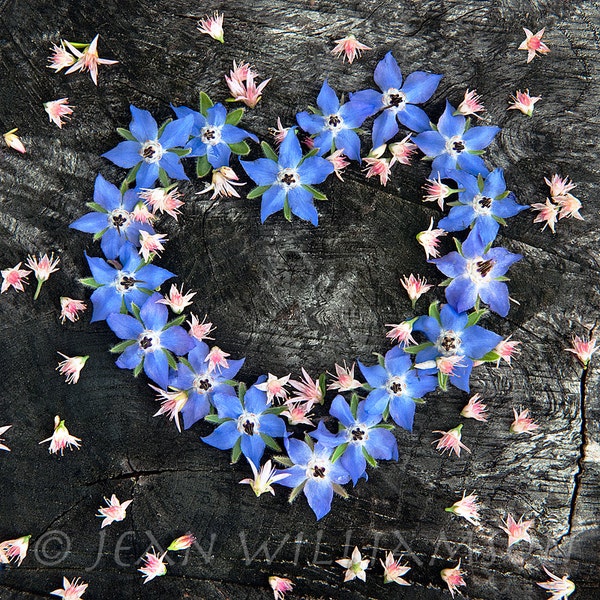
pixel 149 340
pixel 118 287
pixel 152 153
pixel 361 438
pixel 397 100
pixel 483 204
pixel 285 181
pixel 334 128
pixel 477 272
pixel 112 220
pixel 313 472
pixel 201 383
pixel 453 334
pixel 396 387
pixel 454 144
pixel 214 134
pixel 247 424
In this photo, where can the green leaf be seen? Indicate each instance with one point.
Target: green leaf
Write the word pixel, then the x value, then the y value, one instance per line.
pixel 317 195
pixel 180 151
pixel 203 167
pixel 205 103
pixel 163 177
pixel 121 346
pixel 90 282
pixel 475 316
pixel 294 493
pixel 236 451
pixel 309 441
pixel 162 127
pixel 338 452
pixel 125 133
pixel 178 321
pixel 287 211
pixel 443 381
pixel 269 152
pixel 369 458
pixel 257 191
pixel 138 368
pixel 240 148
pixel 99 234
pixel 354 404
pixel 234 117
pixel 241 391
pixel 269 441
pixel 170 359
pixel 434 311
pixel 95 206
pixel 416 349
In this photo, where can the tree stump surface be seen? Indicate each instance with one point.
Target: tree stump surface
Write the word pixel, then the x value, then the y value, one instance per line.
pixel 290 295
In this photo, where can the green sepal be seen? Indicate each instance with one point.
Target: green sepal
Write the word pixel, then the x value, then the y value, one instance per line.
pixel 215 419
pixel 135 311
pixel 446 282
pixel 380 359
pixel 501 278
pixel 476 152
pixel 354 404
pixel 443 381
pixel 269 152
pixel 257 191
pixel 95 206
pixel 274 410
pixel 241 391
pixel 323 386
pixel 184 361
pixel 125 133
pixel 205 103
pixel 309 441
pixel 369 458
pixel 178 321
pixel 163 177
pixel 90 282
pixel 234 117
pixel 416 349
pixel 138 368
pixel 499 220
pixel 338 452
pixel 434 311
pixel 386 412
pixel 480 182
pixel 236 451
pixel 203 167
pixel 123 310
pixel 339 490
pixel 283 460
pixel 490 357
pixel 287 211
pixel 162 127
pixel 269 441
pixel 317 195
pixel 121 346
pixel 458 245
pixel 367 387
pixel 297 490
pixel 309 154
pixel 387 426
pixel 180 151
pixel 475 316
pixel 502 195
pixel 99 234
pixel 240 148
pixel 467 124
pixel 170 359
pixel 131 175
pixel 79 45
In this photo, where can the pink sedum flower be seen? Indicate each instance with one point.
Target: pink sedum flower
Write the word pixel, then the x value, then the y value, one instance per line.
pixel 278 132
pixel 70 309
pixel 402 151
pixel 470 106
pixel 467 508
pixel 474 409
pixel 242 86
pixel 446 364
pixel 163 200
pixel 430 240
pixel 71 367
pixel 177 300
pixel 298 413
pixel 60 58
pixel 114 511
pixel 280 586
pixel 350 47
pixel 264 478
pixel 583 350
pixel 344 379
pixel 61 438
pixel 71 590
pixel 172 403
pixel 151 244
pixel 569 207
pixel 558 588
pixel 141 214
pixel 450 441
pixel 153 566
pixel 355 566
pixel 3 430
pixel 517 531
pixel 217 359
pixel 58 110
pixel 339 161
pixel 222 185
pixel 523 423
pixel 533 44
pixel 437 191
pixel 14 550
pixel 548 214
pixel 307 390
pixel 415 287
pixel 401 333
pixel 275 388
pixel 559 186
pixel 507 349
pixel 14 277
pixel 453 578
pixel 182 543
pixel 200 331
pixel 12 140
pixel 378 167
pixel 212 26
pixel 43 267
pixel 88 60
pixel 524 102
pixel 393 570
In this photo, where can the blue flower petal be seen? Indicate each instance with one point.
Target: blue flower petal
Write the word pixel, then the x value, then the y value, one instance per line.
pixel 486 228
pixel 224 436
pixel 417 386
pixel 218 155
pixel 231 371
pixel 319 495
pixel 382 444
pixel 477 341
pixel 414 118
pixel 298 451
pixel 255 400
pixel 420 86
pixel 375 375
pixel 295 476
pixel 327 100
pixel 354 461
pixel 452 319
pixel 397 362
pixel 461 377
pixel 156 366
pixel 154 315
pixel 324 142
pixel 125 154
pixel 468 182
pixel 130 358
pixel 153 277
pixel 451 265
pixel 143 125
pixel 472 163
pixel 124 327
pixel 371 100
pixel 290 152
pixel 442 165
pixel 507 207
pixel 112 242
pixel 106 194
pixel 478 138
pixel 449 125
pixel 385 127
pixel 216 115
pixel 171 163
pixel 253 448
pixel 310 123
pixel 91 223
pixel 176 339
pixel 494 184
pixel 368 419
pixel 106 300
pixel 341 411
pixel 387 73
pixel 462 293
pixel 262 171
pixel 459 218
pixel 472 247
pixel 177 133
pixel 350 142
pixel 430 143
pixel 197 147
pixel 184 111
pixel 314 170
pixel 146 175
pixel 228 407
pixel 272 425
pixel 402 411
pixel 377 401
pixel 301 204
pixel 233 135
pixel 325 437
pixel 196 408
pixel 272 202
pixel 354 114
pixel 495 294
pixel 197 356
pixel 429 326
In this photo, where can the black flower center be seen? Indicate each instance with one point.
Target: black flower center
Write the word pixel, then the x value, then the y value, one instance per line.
pixel 484 266
pixel 458 146
pixel 485 202
pixel 146 342
pixel 396 99
pixel 127 282
pixel 448 343
pixel 288 179
pixel 149 152
pixel 319 472
pixel 119 221
pixel 203 384
pixel 334 121
pixel 358 434
pixel 248 427
pixel 209 134
pixel 396 387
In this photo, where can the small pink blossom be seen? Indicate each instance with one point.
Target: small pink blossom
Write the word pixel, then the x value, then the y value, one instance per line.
pixel 14 277
pixel 355 566
pixel 470 105
pixel 430 240
pixel 275 388
pixel 339 162
pixel 263 479
pixel 223 182
pixel 524 102
pixel 474 409
pixel 517 531
pixel 402 332
pixel 559 186
pixel 141 214
pixel 217 359
pixel 278 132
pixel 280 586
pixel 61 438
pixel 177 300
pixel 507 349
pixel 12 140
pixel 14 550
pixel 523 423
pixel 467 507
pixel 172 403
pixel 569 207
pixel 43 267
pixel 71 590
pixel 114 511
pixel 583 350
pixel 415 287
pixel 212 26
pixel 378 167
pixel 533 44
pixel 71 367
pixel 163 200
pixel 298 413
pixel 548 214
pixel 393 570
pixel 182 543
pixel 60 58
pixel 3 430
pixel 242 86
pixel 558 588
pixel 446 364
pixel 153 566
pixel 450 440
pixel 344 379
pixel 307 389
pixel 402 151
pixel 437 191
pixel 70 309
pixel 350 47
pixel 57 110
pixel 88 60
pixel 199 330
pixel 453 578
pixel 151 243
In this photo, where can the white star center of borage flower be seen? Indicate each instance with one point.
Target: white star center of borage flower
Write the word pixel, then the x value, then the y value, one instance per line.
pixel 455 145
pixel 358 434
pixel 125 282
pixel 317 469
pixel 394 99
pixel 248 423
pixel 119 219
pixel 334 123
pixel 482 205
pixel 448 342
pixel 151 151
pixel 395 386
pixel 288 178
pixel 203 383
pixel 149 340
pixel 211 135
pixel 479 269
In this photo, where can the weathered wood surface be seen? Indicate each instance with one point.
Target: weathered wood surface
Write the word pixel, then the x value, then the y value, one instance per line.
pixel 287 296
